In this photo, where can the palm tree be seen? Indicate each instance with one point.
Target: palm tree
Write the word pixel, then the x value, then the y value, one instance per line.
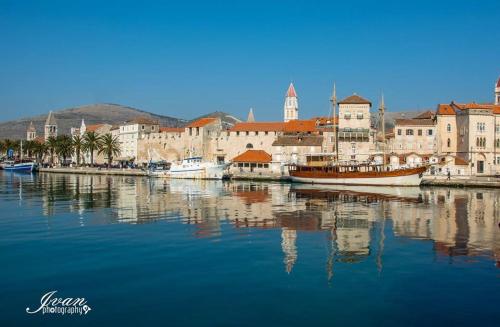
pixel 64 147
pixel 91 142
pixel 28 148
pixel 39 150
pixel 110 146
pixel 78 146
pixel 51 147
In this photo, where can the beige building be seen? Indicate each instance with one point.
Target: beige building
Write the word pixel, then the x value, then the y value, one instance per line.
pixel 355 135
pixel 417 135
pixel 471 132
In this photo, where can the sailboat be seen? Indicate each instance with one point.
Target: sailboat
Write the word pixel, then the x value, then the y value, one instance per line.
pixel 336 172
pixel 20 165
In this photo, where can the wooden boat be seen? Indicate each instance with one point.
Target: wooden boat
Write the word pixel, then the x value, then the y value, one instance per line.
pixel 356 175
pixel 369 173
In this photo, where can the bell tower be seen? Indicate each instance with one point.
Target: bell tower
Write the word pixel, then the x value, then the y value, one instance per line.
pixel 497 92
pixel 291 107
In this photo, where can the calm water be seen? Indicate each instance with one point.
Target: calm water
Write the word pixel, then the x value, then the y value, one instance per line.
pixel 178 253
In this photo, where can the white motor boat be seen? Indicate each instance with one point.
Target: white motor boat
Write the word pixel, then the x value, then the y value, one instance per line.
pixel 197 168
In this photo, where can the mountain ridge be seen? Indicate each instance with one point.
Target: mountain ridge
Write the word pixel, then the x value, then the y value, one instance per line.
pixel 112 113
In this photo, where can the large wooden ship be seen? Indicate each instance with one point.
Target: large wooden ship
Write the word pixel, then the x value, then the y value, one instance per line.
pixel 352 173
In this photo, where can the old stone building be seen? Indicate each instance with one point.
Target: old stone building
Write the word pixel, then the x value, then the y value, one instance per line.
pixel 355 137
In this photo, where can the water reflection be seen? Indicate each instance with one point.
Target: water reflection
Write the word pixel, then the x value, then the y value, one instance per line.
pixel 355 220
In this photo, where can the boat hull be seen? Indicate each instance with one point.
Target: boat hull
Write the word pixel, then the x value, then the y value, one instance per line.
pixel 404 177
pixel 21 167
pixel 207 172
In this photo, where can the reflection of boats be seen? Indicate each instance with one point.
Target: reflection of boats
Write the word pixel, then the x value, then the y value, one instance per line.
pixel 356 175
pixel 21 166
pixel 197 168
pixel 374 193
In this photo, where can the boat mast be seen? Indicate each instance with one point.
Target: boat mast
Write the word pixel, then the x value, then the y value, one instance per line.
pixel 21 154
pixel 333 100
pixel 381 110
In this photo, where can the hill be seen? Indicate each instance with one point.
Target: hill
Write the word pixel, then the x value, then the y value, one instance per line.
pixel 116 114
pixel 95 114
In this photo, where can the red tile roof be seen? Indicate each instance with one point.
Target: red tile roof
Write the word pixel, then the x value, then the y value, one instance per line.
pixel 258 156
pixel 300 126
pixel 93 128
pixel 425 115
pixel 445 109
pixel 202 122
pixel 258 127
pixel 171 130
pixel 355 99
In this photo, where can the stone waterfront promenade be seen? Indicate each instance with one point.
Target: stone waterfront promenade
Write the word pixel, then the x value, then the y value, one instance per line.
pixel 466 181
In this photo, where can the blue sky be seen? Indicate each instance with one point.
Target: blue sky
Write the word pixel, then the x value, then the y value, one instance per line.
pixel 186 58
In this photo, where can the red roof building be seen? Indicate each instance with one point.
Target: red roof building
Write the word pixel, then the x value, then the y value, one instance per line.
pixel 253 156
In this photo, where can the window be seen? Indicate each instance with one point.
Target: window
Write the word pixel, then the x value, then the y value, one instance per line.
pixel 152 128
pixel 419 132
pixel 448 142
pixel 142 127
pixel 266 165
pixel 359 115
pixel 249 146
pixel 481 127
pixel 266 132
pixel 197 131
pixel 448 128
pixel 237 133
pixel 409 132
pixel 399 132
pixel 347 115
pixel 247 133
pixel 429 132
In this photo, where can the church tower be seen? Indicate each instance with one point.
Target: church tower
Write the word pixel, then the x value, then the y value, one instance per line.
pixel 50 126
pixel 250 118
pixel 31 132
pixel 497 92
pixel 291 107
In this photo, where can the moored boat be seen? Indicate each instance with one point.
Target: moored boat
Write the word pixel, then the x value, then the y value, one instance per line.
pixel 28 166
pixel 197 168
pixel 356 175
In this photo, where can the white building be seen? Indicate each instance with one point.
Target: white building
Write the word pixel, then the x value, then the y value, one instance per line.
pixel 131 132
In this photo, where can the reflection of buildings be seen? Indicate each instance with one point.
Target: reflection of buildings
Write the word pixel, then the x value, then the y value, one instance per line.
pixel 459 222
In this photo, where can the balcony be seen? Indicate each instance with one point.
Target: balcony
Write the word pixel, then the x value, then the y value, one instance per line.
pixel 354 134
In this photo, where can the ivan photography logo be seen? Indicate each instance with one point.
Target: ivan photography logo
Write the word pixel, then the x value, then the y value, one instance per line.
pixel 51 304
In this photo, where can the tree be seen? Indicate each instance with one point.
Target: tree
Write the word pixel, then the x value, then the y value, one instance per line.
pixel 29 147
pixel 64 147
pixel 91 143
pixel 78 147
pixel 110 146
pixel 51 144
pixel 39 150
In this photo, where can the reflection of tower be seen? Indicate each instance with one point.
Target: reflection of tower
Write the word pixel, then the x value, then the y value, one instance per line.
pixel 288 239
